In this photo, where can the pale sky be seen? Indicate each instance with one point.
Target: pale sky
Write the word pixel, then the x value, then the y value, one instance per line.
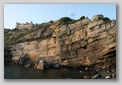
pixel 39 13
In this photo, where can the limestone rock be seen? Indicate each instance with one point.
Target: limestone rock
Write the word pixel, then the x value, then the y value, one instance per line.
pixel 84 42
pixel 45 32
pixel 65 63
pixel 40 65
pixel 86 21
pixel 96 76
pixel 107 77
pixel 93 24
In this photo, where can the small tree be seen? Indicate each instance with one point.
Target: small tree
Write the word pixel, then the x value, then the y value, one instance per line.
pixel 106 19
pixel 83 17
pixel 66 20
pixel 51 21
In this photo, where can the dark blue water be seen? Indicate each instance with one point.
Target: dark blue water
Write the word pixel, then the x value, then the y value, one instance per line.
pixel 20 72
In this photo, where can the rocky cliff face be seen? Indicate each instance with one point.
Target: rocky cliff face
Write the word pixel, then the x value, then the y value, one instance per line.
pixel 84 42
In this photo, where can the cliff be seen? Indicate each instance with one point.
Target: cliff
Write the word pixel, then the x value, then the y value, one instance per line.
pixel 72 43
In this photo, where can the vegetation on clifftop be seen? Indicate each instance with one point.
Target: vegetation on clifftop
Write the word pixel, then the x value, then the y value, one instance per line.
pixel 66 20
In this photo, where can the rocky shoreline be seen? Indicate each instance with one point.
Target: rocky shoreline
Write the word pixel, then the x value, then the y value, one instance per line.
pixel 87 72
pixel 84 72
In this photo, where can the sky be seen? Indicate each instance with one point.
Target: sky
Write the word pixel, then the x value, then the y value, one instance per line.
pixel 39 13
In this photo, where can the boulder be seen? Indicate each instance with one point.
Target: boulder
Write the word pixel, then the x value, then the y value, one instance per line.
pixel 96 76
pixel 57 66
pixel 25 60
pixel 40 65
pixel 43 64
pixel 27 65
pixel 107 77
pixel 47 65
pixel 86 77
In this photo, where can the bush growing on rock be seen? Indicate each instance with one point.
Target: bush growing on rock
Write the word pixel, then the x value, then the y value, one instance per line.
pixel 83 17
pixel 105 19
pixel 66 20
pixel 51 21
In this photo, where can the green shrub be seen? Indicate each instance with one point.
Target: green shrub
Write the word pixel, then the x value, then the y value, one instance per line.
pixel 83 17
pixel 105 19
pixel 37 27
pixel 51 21
pixel 66 20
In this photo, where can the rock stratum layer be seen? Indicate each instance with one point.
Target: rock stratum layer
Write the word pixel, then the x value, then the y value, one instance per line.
pixel 84 42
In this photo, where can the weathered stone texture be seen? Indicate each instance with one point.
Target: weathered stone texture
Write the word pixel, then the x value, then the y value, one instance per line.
pixel 81 43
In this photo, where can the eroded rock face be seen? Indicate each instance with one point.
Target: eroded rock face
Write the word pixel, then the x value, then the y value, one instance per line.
pixel 84 42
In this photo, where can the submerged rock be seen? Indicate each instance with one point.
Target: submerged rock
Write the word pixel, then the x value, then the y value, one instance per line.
pixel 47 65
pixel 96 76
pixel 107 77
pixel 81 71
pixel 57 66
pixel 86 77
pixel 27 65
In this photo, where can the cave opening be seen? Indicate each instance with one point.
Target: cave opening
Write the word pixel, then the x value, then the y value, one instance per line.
pixel 85 47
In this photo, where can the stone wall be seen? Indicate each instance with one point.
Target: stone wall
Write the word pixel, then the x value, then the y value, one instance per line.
pixel 97 17
pixel 26 25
